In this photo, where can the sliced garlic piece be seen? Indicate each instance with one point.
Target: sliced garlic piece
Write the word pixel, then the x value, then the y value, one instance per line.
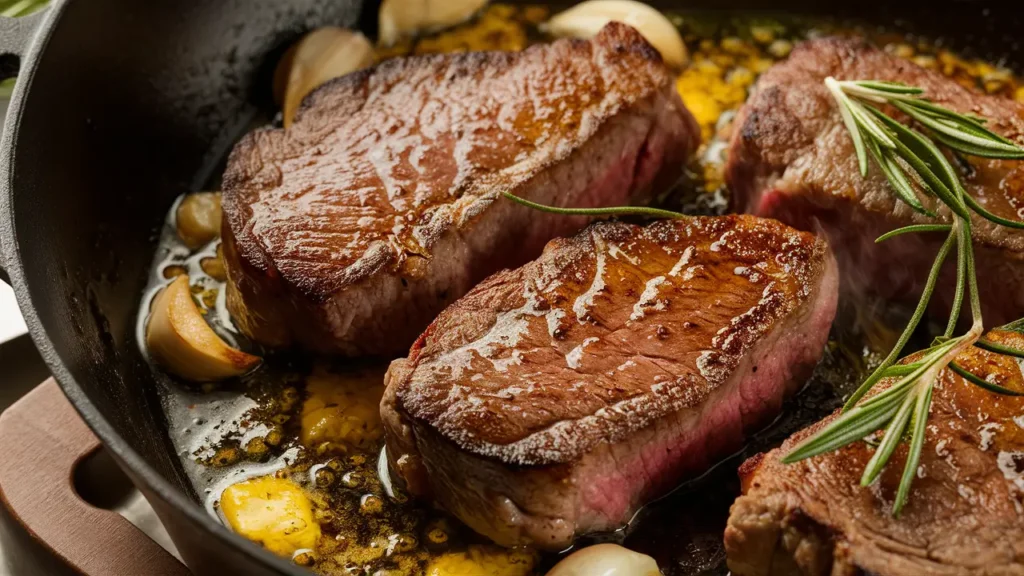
pixel 323 54
pixel 180 340
pixel 198 218
pixel 586 19
pixel 404 18
pixel 606 560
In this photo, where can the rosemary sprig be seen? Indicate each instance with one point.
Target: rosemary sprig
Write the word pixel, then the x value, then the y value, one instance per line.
pixel 914 165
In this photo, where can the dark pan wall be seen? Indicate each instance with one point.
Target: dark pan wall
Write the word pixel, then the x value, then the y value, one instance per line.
pixel 129 102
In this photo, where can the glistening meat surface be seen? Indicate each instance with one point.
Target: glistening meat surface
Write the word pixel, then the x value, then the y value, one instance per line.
pixel 965 516
pixel 348 232
pixel 555 399
pixel 791 158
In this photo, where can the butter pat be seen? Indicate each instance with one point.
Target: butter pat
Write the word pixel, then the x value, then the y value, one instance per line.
pixel 273 512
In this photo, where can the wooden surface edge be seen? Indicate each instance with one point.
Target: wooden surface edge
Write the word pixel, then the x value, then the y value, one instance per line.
pixel 43 439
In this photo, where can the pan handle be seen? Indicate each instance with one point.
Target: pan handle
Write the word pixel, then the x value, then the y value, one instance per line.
pixel 44 440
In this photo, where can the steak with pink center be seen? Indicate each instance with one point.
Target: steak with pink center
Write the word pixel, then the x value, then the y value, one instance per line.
pixel 351 230
pixel 556 399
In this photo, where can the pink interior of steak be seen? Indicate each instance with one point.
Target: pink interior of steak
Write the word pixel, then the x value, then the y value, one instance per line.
pixel 695 439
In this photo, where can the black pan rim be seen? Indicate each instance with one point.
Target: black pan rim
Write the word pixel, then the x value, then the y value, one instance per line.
pixel 10 257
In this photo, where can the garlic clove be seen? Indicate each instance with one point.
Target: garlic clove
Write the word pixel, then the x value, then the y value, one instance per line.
pixel 405 18
pixel 323 54
pixel 606 560
pixel 180 340
pixel 586 19
pixel 198 218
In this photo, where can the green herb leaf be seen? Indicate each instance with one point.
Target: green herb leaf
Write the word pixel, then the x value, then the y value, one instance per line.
pixel 914 228
pixel 893 435
pixel 967 136
pixel 900 370
pixel 849 427
pixel 866 122
pixel 917 435
pixel 969 122
pixel 1017 327
pixel 962 258
pixel 981 211
pixel 851 124
pixel 981 382
pixel 999 348
pixel 928 162
pixel 899 181
pixel 890 87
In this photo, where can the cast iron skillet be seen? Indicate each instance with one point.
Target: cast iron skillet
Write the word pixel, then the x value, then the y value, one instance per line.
pixel 123 105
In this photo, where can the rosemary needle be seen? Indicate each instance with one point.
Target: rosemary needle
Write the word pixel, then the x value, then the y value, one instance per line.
pixel 606 211
pixel 912 229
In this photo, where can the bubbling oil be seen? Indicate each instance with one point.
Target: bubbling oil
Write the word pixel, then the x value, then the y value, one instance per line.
pixel 314 421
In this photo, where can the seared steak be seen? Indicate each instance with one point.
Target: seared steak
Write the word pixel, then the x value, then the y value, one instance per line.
pixel 965 515
pixel 791 158
pixel 556 399
pixel 349 231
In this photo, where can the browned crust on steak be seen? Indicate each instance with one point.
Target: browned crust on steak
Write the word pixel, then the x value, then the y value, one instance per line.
pixel 965 515
pixel 390 178
pixel 685 299
pixel 791 158
pixel 791 135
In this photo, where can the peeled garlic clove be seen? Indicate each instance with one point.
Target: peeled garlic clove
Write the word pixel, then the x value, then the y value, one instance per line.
pixel 180 340
pixel 586 19
pixel 323 54
pixel 606 560
pixel 198 218
pixel 404 18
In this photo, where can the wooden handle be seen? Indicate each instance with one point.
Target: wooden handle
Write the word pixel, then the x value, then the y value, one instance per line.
pixel 43 440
